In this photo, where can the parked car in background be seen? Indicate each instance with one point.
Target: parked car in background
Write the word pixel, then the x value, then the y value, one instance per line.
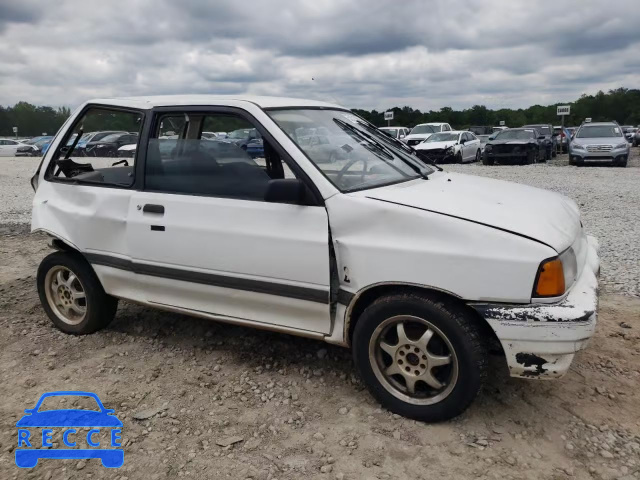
pixel 416 269
pixel 421 132
pixel 33 148
pixel 108 145
pixel 629 133
pixel 515 145
pixel 550 139
pixel 396 132
pixel 454 146
pixel 478 130
pixel 636 138
pixel 599 142
pixel 209 135
pixel 562 138
pixel 9 147
pixel 92 137
pixel 128 151
pixel 483 141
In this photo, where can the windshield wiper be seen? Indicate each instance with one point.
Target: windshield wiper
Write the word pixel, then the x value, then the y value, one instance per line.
pixel 410 151
pixel 344 125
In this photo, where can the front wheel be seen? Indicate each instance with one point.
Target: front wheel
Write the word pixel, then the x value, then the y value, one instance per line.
pixel 72 296
pixel 420 357
pixel 458 157
pixel 477 156
pixel 486 160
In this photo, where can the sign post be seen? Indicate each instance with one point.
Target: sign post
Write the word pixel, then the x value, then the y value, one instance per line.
pixel 502 123
pixel 562 110
pixel 15 131
pixel 388 116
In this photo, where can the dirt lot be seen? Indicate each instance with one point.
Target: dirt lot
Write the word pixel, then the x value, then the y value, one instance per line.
pixel 290 408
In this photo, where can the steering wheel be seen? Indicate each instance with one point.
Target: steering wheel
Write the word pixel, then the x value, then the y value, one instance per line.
pixel 343 170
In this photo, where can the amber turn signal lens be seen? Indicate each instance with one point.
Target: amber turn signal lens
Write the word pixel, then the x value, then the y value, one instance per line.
pixel 551 279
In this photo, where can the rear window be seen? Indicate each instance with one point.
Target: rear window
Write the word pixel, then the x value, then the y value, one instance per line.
pixel 81 157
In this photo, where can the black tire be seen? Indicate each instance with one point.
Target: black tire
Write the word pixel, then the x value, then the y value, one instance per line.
pixel 462 333
pixel 622 164
pixel 554 152
pixel 543 159
pixel 458 157
pixel 478 155
pixel 487 161
pixel 100 308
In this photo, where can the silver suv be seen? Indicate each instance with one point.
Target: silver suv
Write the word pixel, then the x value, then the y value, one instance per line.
pixel 601 142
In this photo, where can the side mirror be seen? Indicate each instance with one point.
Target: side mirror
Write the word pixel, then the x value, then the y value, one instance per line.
pixel 285 190
pixel 463 141
pixel 492 137
pixel 541 137
pixel 555 134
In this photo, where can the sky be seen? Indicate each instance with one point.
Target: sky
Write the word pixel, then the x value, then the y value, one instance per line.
pixel 358 53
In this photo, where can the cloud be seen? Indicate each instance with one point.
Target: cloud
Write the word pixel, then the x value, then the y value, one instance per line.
pixel 364 53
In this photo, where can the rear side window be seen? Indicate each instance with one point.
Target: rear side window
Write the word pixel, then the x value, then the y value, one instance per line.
pixel 238 165
pixel 101 148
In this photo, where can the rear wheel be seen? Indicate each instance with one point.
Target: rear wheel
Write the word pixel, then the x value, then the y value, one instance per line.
pixel 420 357
pixel 72 295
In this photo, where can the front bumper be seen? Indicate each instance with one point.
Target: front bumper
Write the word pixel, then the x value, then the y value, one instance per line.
pixel 540 340
pixel 614 156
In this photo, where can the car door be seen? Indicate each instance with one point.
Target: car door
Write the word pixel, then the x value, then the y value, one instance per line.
pixel 472 146
pixel 9 148
pixel 202 239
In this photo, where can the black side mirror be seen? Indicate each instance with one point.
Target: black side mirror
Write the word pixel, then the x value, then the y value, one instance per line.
pixel 541 137
pixel 286 190
pixel 463 141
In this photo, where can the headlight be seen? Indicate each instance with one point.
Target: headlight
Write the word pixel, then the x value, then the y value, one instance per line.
pixel 488 148
pixel 577 146
pixel 450 149
pixel 622 145
pixel 556 275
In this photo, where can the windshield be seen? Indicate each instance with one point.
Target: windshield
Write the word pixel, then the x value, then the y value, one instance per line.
pixel 443 137
pixel 543 129
pixel 354 154
pixel 239 134
pixel 423 129
pixel 515 135
pixel 599 131
pixel 111 138
pixel 62 402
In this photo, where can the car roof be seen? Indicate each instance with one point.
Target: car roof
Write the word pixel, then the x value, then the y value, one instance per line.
pixel 432 123
pixel 599 123
pixel 192 100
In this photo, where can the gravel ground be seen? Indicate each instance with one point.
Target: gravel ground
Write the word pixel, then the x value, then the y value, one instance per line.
pixel 202 399
pixel 608 197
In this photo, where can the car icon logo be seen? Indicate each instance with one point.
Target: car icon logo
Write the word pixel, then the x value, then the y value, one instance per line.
pixel 33 446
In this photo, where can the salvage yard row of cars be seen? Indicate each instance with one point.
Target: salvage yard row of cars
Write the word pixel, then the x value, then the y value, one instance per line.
pixel 601 142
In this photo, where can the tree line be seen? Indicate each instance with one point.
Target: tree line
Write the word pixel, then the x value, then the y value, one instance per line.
pixel 621 104
pixel 31 120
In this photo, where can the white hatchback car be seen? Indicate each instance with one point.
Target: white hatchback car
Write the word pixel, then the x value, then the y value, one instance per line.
pixel 415 268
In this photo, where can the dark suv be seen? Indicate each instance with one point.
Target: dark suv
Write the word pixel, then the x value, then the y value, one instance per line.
pixel 550 139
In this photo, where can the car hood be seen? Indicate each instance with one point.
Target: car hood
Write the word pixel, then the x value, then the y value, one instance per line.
pixel 435 145
pixel 538 214
pixel 69 418
pixel 510 142
pixel 418 136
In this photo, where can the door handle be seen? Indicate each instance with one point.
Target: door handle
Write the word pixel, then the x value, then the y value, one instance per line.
pixel 150 208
